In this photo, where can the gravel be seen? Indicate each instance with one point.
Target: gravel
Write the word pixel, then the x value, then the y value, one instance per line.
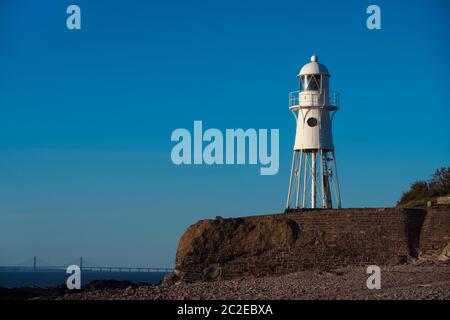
pixel 397 282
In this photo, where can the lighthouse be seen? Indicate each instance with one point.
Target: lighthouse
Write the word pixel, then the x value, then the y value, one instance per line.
pixel 313 181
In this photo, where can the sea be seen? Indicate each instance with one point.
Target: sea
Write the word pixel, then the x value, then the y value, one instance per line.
pixel 45 279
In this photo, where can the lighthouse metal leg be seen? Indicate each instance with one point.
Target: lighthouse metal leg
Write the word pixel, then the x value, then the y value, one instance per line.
pixel 322 178
pixel 288 202
pixel 305 175
pixel 299 173
pixel 313 179
pixel 326 180
pixel 337 182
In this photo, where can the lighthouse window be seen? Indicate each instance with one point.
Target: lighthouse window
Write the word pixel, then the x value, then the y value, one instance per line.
pixel 303 83
pixel 311 82
pixel 312 122
pixel 317 78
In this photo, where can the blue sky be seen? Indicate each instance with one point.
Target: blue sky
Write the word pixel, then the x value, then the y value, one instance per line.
pixel 86 116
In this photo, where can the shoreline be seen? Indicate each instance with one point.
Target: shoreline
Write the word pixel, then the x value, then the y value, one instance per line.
pixel 424 280
pixel 52 279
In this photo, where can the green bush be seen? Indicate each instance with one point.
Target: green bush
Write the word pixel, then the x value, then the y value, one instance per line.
pixel 422 191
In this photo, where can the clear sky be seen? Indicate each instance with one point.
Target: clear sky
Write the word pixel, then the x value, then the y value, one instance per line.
pixel 86 116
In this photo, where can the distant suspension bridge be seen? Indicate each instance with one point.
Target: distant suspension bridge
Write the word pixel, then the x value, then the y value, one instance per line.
pixel 38 265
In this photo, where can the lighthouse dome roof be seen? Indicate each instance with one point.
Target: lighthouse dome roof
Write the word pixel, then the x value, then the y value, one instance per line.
pixel 314 67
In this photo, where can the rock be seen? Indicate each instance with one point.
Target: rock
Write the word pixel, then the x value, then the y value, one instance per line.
pixel 446 250
pixel 396 260
pixel 107 284
pixel 212 272
pixel 445 254
pixel 209 243
pixel 170 279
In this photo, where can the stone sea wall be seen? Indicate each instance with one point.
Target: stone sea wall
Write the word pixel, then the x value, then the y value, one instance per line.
pixel 283 243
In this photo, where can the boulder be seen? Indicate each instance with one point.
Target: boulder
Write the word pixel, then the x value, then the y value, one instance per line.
pixel 208 244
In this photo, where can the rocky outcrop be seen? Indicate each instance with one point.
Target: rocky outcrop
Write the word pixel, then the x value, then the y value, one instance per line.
pixel 277 244
pixel 209 244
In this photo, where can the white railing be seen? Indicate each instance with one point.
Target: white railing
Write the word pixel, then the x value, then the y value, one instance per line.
pixel 334 99
pixel 314 100
pixel 293 98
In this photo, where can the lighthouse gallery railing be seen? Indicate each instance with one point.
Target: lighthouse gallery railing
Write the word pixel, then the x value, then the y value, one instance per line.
pixel 313 100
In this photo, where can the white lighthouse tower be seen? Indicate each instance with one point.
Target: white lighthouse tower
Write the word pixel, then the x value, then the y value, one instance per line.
pixel 313 180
